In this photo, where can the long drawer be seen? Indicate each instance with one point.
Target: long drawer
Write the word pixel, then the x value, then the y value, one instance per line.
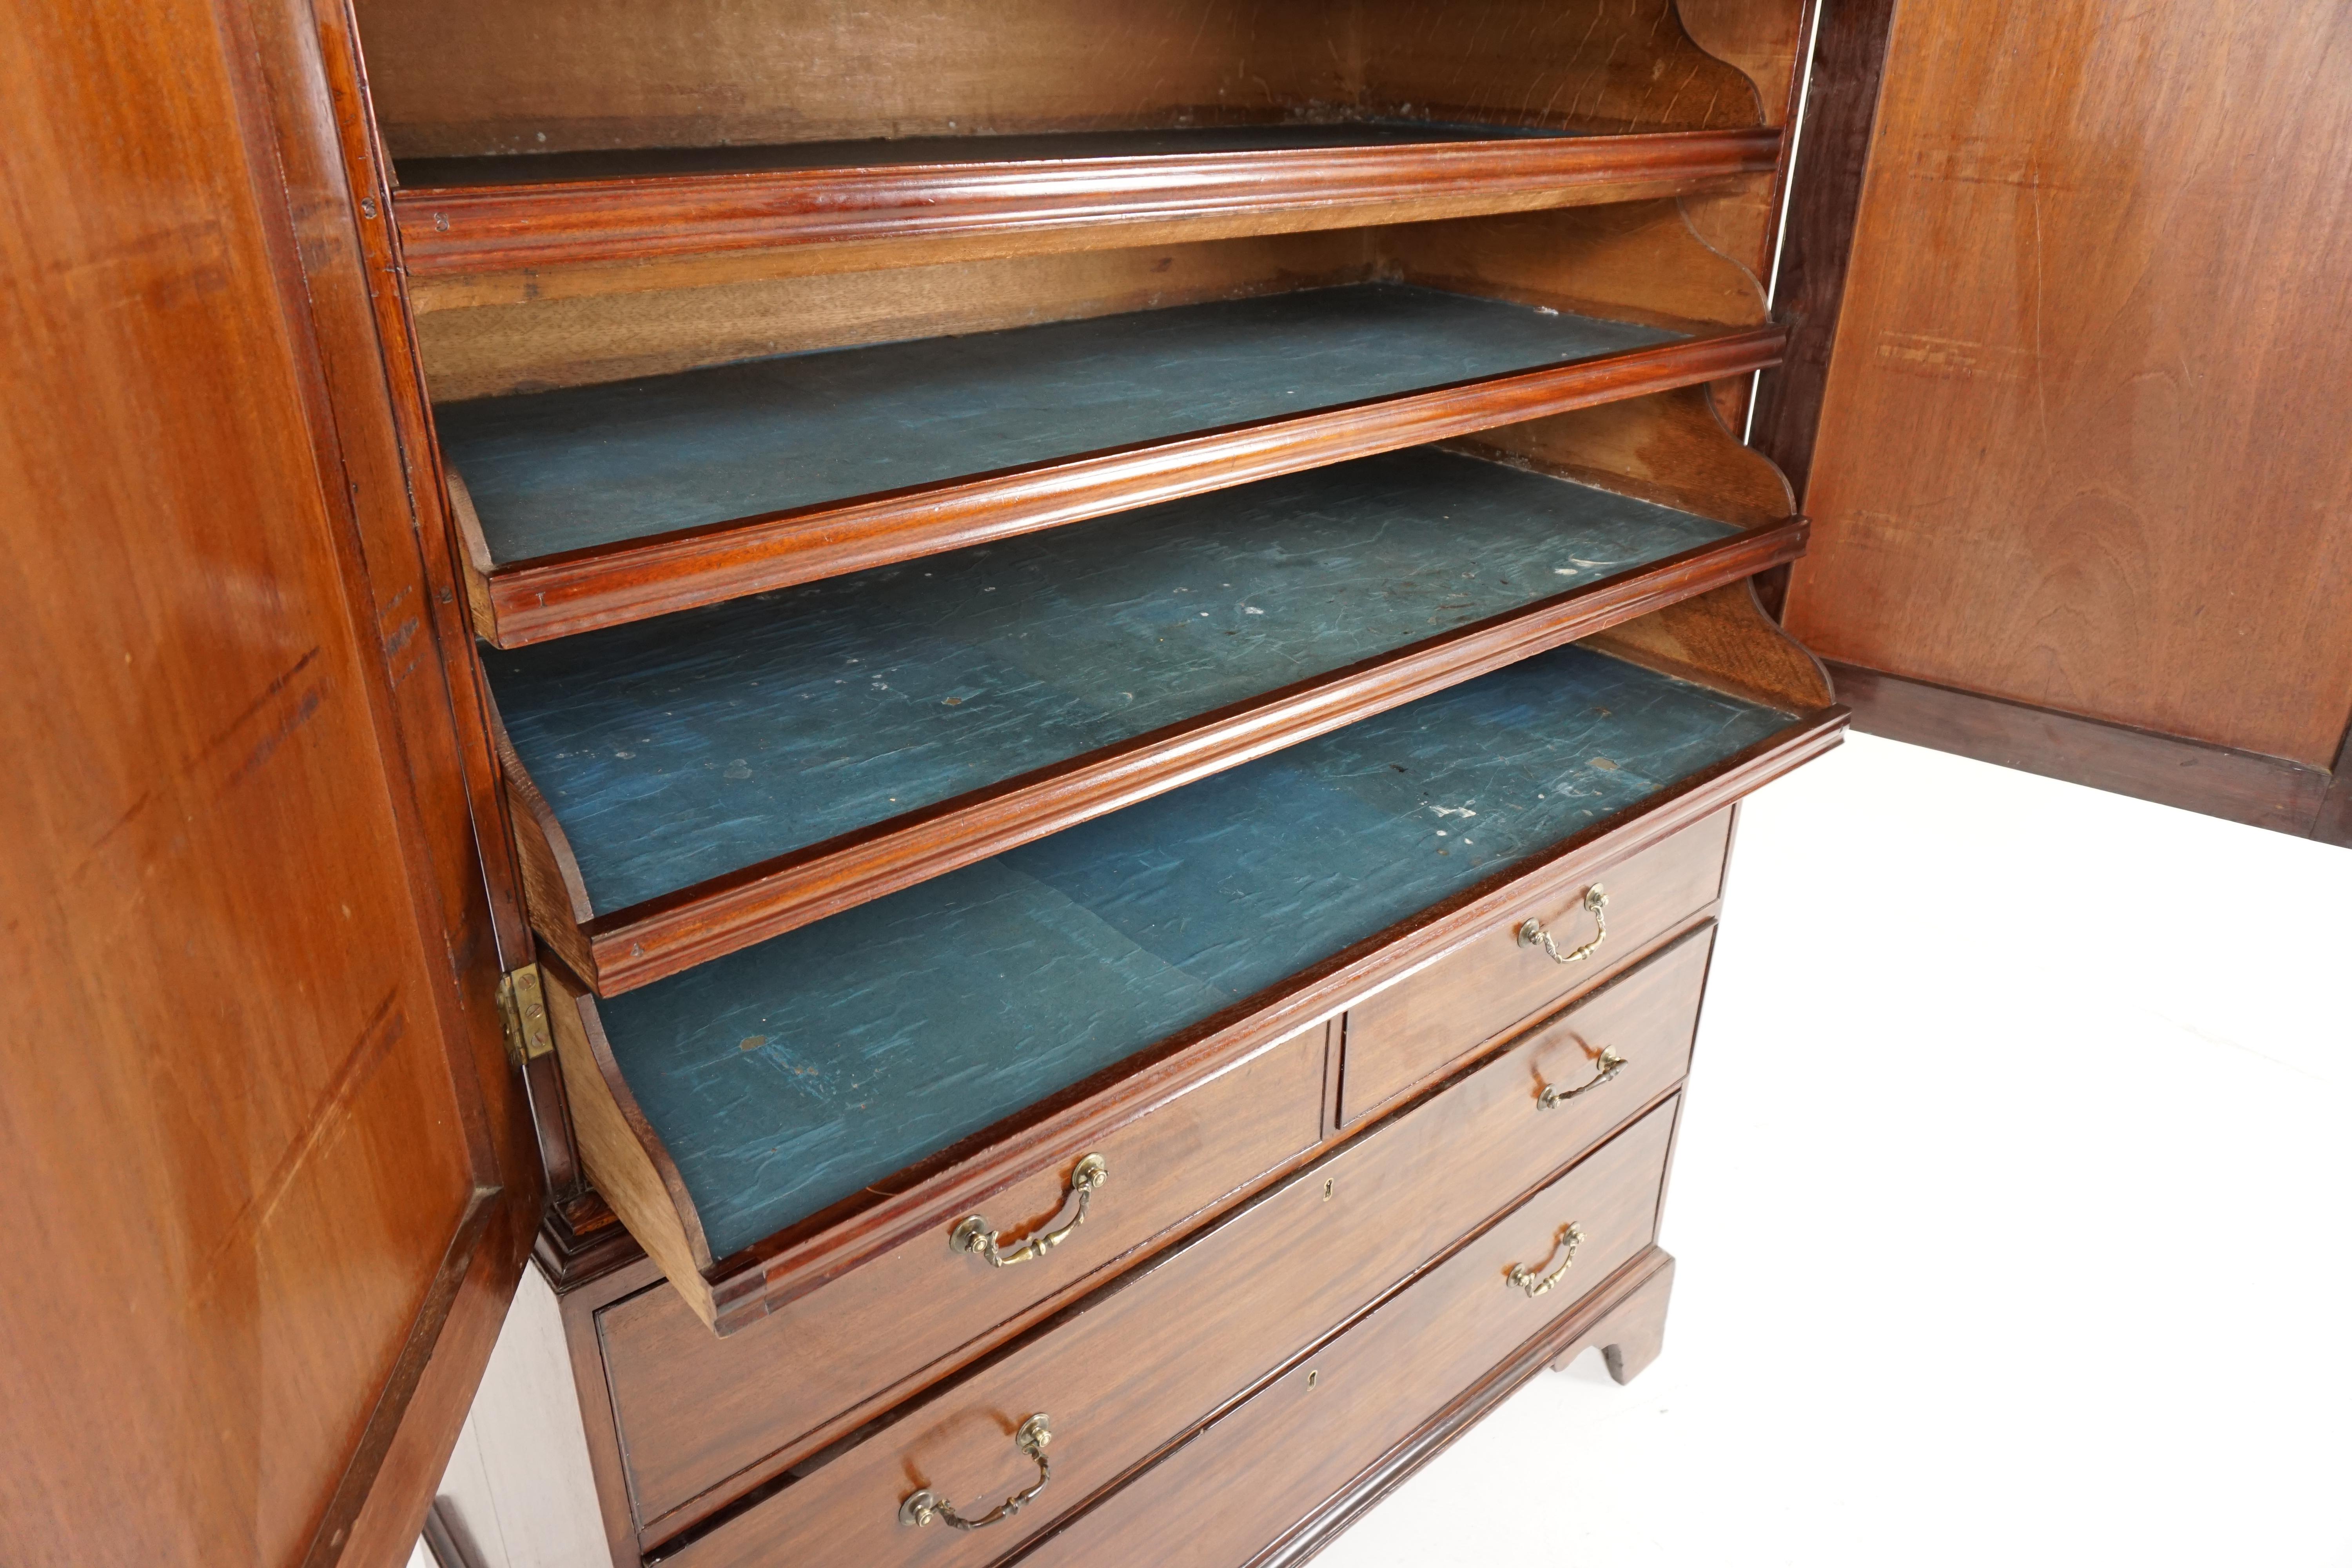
pixel 701 1417
pixel 1414 1029
pixel 1138 1364
pixel 1340 1427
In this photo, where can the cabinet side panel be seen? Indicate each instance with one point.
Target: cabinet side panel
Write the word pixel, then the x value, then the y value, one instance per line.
pixel 239 1104
pixel 2083 442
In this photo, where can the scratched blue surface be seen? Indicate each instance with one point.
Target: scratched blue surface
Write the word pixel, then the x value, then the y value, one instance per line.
pixel 676 750
pixel 560 470
pixel 786 1077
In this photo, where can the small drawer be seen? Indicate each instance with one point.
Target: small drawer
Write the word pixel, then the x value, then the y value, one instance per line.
pixel 1254 1474
pixel 1133 1366
pixel 1561 1087
pixel 1415 1030
pixel 694 1410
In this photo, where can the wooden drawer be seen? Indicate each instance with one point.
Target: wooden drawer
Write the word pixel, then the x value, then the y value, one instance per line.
pixel 1550 1088
pixel 694 1410
pixel 699 1414
pixel 1414 1029
pixel 1303 1454
pixel 1134 1366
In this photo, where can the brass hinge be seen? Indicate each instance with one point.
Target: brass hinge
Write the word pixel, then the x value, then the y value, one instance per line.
pixel 523 1002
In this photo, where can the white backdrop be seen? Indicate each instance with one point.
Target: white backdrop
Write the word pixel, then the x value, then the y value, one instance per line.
pixel 2013 1207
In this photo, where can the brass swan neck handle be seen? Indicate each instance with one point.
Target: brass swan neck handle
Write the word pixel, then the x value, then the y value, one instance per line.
pixel 927 1505
pixel 1522 1277
pixel 1596 901
pixel 1610 1065
pixel 972 1235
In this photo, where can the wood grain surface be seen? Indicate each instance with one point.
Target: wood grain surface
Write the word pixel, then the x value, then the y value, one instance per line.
pixel 2333 822
pixel 622 1151
pixel 464 218
pixel 1634 261
pixel 2083 443
pixel 1135 1367
pixel 703 1419
pixel 250 841
pixel 2263 792
pixel 1723 639
pixel 1848 66
pixel 367 393
pixel 1624 1319
pixel 1764 39
pixel 535 75
pixel 1672 447
pixel 1307 1454
pixel 256 1165
pixel 487 335
pixel 1402 1037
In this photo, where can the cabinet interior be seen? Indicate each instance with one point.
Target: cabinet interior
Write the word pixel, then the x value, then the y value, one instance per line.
pixel 766 341
pixel 452 79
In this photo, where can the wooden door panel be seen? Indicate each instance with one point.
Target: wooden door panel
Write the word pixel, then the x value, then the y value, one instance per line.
pixel 2083 444
pixel 245 1129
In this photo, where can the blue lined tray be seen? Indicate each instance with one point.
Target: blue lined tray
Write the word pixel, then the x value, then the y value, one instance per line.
pixel 551 471
pixel 791 1075
pixel 677 749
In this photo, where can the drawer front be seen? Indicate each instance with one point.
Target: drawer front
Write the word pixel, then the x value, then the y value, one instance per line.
pixel 1550 1095
pixel 694 1410
pixel 1239 1485
pixel 1134 1366
pixel 1417 1027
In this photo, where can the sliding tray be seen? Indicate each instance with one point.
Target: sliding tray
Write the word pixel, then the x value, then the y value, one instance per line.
pixel 689 786
pixel 592 506
pixel 772 1119
pixel 461 217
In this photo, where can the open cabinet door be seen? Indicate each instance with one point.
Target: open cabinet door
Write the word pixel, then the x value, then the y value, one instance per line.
pixel 2069 283
pixel 269 1183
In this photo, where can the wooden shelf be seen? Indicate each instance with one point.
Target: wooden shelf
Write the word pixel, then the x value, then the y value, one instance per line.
pixel 592 506
pixel 1017 979
pixel 465 217
pixel 693 785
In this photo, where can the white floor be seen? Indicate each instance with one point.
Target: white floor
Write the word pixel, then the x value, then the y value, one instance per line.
pixel 518 1492
pixel 2013 1207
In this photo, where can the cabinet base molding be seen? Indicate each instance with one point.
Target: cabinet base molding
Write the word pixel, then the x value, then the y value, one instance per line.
pixel 2238 786
pixel 580 1238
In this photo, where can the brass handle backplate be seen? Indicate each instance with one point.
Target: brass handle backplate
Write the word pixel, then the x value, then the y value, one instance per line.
pixel 927 1505
pixel 973 1236
pixel 1522 1277
pixel 1532 932
pixel 1610 1065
